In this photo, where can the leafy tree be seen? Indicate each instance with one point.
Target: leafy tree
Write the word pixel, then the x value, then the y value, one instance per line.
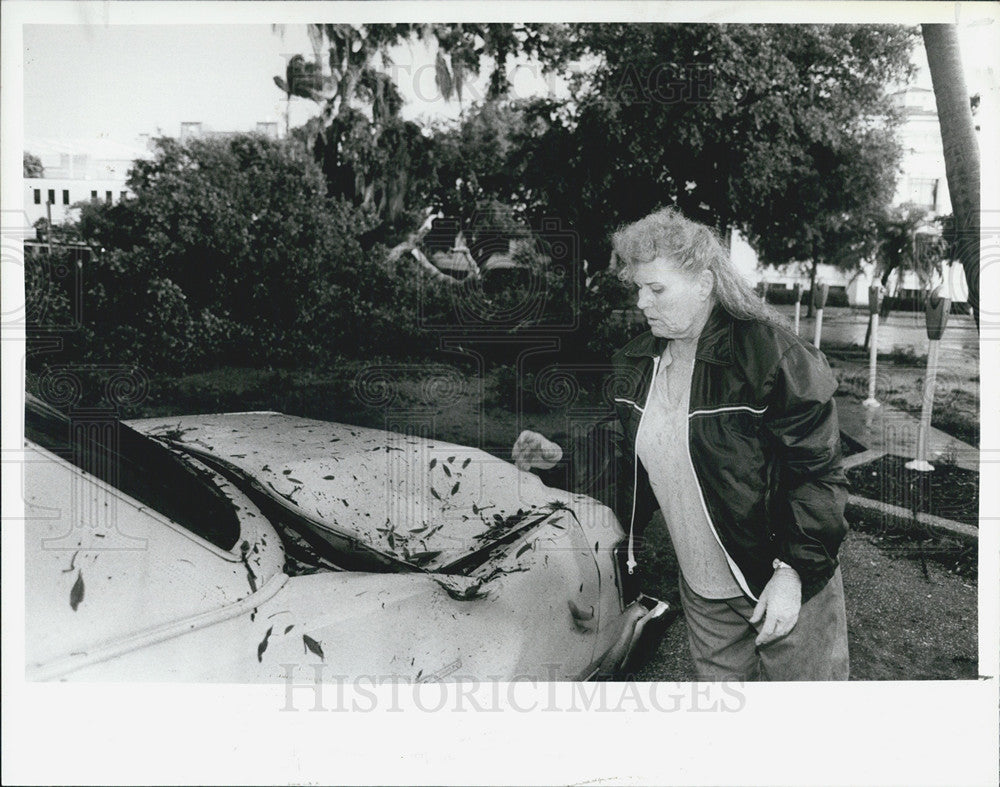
pixel 463 49
pixel 737 125
pixel 33 166
pixel 368 153
pixel 473 162
pixel 833 211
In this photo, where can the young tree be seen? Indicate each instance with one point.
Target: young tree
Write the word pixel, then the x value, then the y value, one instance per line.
pixel 832 212
pixel 899 247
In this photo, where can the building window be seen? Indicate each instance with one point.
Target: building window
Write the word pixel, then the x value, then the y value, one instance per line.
pixel 38 196
pixel 107 197
pixel 93 194
pixel 52 196
pixel 65 196
pixel 122 196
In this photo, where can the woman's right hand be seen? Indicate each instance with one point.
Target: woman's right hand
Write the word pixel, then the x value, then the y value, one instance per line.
pixel 534 450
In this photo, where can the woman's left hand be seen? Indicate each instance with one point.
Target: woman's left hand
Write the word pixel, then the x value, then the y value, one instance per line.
pixel 779 605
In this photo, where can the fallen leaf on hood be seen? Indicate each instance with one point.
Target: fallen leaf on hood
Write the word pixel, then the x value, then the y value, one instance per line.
pixel 263 644
pixel 465 464
pixel 419 558
pixel 313 645
pixel 76 594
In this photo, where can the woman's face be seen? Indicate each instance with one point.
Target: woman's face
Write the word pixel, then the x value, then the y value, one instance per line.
pixel 674 302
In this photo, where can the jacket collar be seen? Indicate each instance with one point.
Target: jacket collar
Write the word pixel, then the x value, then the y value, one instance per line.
pixel 715 344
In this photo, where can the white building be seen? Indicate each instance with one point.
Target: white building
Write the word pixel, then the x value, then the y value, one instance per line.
pixel 76 170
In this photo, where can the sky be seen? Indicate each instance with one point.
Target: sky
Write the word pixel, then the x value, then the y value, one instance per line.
pixel 87 81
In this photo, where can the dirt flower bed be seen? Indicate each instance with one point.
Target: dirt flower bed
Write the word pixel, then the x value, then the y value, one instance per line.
pixel 948 491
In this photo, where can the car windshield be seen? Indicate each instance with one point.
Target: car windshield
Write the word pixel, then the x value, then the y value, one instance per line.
pixel 142 468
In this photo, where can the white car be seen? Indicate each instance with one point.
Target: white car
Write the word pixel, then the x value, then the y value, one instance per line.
pixel 241 547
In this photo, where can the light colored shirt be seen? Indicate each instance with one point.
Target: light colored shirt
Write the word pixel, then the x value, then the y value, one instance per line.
pixel 662 446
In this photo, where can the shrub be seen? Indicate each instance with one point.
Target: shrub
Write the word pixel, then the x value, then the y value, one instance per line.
pixel 779 296
pixel 231 253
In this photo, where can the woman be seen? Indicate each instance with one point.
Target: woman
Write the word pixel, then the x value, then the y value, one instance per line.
pixel 729 427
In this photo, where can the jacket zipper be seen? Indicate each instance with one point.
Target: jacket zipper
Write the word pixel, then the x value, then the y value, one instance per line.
pixel 635 470
pixel 737 573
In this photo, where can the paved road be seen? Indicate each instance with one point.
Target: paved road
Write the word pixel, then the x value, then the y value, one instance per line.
pixel 890 430
pixel 899 331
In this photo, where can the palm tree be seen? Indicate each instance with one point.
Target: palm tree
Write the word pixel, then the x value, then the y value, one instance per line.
pixel 303 80
pixel 961 150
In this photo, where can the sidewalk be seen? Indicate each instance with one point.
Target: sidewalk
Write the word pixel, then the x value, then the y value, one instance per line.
pixel 886 430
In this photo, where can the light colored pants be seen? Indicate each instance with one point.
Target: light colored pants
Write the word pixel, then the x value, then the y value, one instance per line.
pixel 722 639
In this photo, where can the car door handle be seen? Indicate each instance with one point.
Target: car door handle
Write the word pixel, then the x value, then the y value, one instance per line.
pixel 582 618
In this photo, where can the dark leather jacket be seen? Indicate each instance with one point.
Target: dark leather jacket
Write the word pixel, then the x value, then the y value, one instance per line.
pixel 764 443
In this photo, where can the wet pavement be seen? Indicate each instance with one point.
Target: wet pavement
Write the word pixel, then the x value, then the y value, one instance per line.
pixel 886 430
pixel 899 332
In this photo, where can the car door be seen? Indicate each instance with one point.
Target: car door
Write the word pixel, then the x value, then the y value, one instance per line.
pixel 106 575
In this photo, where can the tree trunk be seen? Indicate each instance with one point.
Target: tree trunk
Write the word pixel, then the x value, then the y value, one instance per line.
pixel 961 149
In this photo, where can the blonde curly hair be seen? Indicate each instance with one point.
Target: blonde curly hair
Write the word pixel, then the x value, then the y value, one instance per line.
pixel 694 247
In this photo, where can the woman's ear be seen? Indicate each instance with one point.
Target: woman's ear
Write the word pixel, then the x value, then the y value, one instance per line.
pixel 706 283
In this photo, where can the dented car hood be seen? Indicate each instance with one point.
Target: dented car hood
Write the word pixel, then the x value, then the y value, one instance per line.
pixel 421 502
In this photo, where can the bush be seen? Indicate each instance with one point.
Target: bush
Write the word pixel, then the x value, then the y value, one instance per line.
pixel 608 316
pixel 230 253
pixel 515 392
pixel 779 296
